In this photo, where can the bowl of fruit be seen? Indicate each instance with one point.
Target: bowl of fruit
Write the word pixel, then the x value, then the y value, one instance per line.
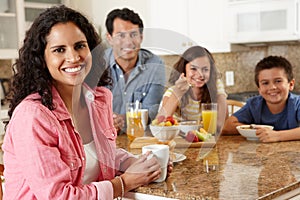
pixel 186 126
pixel 164 128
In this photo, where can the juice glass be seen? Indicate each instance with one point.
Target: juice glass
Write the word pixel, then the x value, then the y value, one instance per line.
pixel 209 117
pixel 134 121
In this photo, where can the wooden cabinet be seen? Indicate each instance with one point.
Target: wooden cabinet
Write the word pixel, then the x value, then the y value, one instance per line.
pixel 32 8
pixel 190 22
pixel 207 24
pixel 171 26
pixel 167 28
pixel 11 29
pixel 15 18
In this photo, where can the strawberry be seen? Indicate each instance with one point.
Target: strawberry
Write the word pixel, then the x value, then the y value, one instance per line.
pixel 170 119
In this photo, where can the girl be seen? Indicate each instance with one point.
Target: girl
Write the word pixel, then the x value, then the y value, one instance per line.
pixel 194 82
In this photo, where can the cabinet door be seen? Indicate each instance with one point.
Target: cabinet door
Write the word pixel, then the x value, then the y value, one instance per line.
pixel 8 29
pixel 189 23
pixel 206 21
pixel 33 8
pixel 167 28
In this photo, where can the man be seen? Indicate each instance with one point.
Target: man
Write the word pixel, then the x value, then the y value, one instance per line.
pixel 138 74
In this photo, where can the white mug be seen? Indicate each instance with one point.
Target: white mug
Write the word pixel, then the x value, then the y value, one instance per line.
pixel 161 152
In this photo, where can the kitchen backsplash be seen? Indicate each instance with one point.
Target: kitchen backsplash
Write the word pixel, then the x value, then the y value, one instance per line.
pixel 242 63
pixel 5 69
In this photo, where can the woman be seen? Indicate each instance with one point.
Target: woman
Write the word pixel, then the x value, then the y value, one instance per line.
pixel 60 140
pixel 194 81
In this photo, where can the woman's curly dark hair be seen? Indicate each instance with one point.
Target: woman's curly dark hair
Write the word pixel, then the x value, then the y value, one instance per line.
pixel 210 88
pixel 31 74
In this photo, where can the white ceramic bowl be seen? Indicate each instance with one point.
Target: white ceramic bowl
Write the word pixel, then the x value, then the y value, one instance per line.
pixel 187 126
pixel 164 133
pixel 250 133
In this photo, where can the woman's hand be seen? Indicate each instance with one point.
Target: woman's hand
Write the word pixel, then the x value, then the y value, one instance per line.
pixel 170 168
pixel 141 172
pixel 119 122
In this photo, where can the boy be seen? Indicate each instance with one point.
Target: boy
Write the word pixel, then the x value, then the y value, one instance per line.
pixel 274 106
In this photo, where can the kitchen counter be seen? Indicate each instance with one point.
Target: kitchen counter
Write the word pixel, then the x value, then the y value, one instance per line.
pixel 234 169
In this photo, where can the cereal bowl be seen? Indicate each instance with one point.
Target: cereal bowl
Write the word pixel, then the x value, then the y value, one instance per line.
pixel 249 131
pixel 164 133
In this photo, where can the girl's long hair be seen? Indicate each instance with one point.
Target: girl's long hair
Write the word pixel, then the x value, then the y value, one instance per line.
pixel 209 93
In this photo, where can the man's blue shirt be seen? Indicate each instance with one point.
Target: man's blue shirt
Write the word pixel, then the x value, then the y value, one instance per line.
pixel 146 82
pixel 256 111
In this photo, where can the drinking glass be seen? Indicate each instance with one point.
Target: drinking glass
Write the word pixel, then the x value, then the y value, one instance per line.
pixel 209 117
pixel 134 121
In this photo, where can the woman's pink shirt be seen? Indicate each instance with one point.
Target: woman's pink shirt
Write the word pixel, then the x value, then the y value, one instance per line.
pixel 44 156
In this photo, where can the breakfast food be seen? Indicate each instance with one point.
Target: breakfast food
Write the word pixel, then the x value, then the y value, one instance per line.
pixel 197 136
pixel 164 121
pixel 192 137
pixel 248 127
pixel 255 126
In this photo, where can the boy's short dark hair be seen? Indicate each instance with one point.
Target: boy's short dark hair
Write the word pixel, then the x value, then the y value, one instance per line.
pixel 124 14
pixel 274 62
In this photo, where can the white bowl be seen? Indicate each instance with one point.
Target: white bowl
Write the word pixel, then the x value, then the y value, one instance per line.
pixel 164 133
pixel 187 126
pixel 250 133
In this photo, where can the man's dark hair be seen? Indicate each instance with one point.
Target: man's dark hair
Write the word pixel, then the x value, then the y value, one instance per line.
pixel 124 14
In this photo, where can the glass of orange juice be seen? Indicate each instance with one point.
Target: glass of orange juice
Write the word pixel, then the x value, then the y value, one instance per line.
pixel 209 117
pixel 134 121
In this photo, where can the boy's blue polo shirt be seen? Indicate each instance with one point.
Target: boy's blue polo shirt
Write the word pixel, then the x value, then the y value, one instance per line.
pixel 256 111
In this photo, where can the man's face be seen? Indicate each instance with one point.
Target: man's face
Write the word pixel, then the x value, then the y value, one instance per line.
pixel 125 40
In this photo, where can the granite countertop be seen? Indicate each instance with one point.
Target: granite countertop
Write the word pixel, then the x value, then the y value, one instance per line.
pixel 234 169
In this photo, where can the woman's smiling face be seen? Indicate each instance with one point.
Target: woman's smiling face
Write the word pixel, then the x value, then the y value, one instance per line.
pixel 198 71
pixel 67 54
